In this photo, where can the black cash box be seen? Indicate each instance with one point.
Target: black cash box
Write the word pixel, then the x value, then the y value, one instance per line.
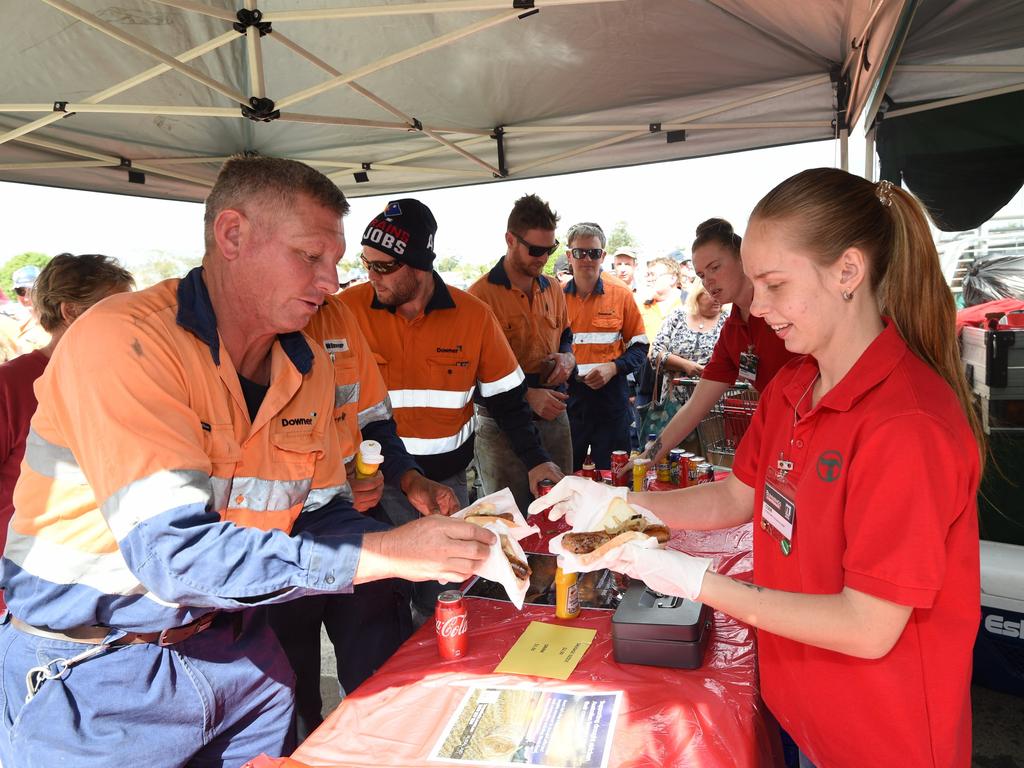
pixel 660 630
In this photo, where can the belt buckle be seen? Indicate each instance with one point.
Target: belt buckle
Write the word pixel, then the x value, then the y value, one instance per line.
pixel 178 634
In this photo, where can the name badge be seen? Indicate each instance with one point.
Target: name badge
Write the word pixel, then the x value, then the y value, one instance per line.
pixel 748 365
pixel 778 513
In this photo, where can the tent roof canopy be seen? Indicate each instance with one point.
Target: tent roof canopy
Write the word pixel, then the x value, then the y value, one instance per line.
pixel 148 97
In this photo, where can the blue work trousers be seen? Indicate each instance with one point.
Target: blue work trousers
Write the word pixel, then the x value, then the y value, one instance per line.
pixel 212 700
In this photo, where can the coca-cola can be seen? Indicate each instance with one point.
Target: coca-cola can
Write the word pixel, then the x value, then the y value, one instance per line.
pixel 544 486
pixel 619 460
pixel 451 621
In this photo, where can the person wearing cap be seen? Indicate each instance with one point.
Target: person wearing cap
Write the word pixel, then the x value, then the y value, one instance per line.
pixel 532 315
pixel 20 331
pixel 624 262
pixel 438 349
pixel 609 343
pixel 182 472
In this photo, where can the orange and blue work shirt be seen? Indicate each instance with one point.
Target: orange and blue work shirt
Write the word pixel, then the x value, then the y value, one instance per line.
pixel 148 497
pixel 535 326
pixel 435 365
pixel 362 409
pixel 606 328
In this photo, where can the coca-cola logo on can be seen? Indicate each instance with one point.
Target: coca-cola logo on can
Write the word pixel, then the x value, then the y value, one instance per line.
pixel 453 626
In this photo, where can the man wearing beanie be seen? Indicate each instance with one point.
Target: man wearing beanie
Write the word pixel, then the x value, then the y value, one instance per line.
pixel 438 349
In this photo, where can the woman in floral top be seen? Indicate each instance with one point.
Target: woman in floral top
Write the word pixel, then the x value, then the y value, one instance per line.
pixel 686 341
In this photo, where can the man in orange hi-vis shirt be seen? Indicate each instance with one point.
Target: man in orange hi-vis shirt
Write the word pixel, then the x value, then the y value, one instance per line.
pixel 183 470
pixel 609 342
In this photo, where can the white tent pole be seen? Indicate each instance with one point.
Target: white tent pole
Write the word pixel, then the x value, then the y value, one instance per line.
pixel 124 85
pixel 963 69
pixel 139 45
pixel 798 86
pixel 111 160
pixel 844 149
pixel 869 154
pixel 190 160
pixel 405 9
pixel 410 121
pixel 688 126
pixel 56 165
pixel 387 61
pixel 254 55
pixel 955 100
pixel 438 150
pixel 128 109
pixel 862 37
pixel 297 117
pixel 206 10
pixel 399 168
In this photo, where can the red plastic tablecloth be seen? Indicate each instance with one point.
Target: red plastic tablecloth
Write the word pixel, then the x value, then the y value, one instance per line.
pixel 711 716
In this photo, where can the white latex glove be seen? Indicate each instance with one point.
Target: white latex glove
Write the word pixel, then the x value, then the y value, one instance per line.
pixel 572 495
pixel 664 570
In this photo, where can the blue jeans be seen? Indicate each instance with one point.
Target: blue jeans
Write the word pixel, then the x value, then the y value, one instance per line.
pixel 211 700
pixel 500 466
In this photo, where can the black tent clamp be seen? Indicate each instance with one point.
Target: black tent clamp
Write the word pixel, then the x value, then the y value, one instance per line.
pixel 254 18
pixel 260 110
pixel 134 177
pixel 498 134
pixel 526 5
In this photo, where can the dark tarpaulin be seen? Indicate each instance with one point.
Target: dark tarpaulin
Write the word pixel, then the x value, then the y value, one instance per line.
pixel 965 162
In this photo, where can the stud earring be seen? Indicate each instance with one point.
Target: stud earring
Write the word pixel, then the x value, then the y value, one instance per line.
pixel 847 295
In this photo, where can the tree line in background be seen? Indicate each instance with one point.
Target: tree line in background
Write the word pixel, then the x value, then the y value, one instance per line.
pixel 161 265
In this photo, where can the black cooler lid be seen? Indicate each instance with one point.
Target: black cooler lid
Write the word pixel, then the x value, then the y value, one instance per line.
pixel 645 614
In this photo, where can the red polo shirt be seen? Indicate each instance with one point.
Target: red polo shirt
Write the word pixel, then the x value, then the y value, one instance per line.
pixel 886 475
pixel 737 337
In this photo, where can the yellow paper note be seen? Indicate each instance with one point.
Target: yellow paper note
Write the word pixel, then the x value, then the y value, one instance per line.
pixel 547 650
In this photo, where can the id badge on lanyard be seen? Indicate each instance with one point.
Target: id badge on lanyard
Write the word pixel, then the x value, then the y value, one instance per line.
pixel 778 506
pixel 748 365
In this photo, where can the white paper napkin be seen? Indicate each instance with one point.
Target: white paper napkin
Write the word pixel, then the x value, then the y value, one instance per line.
pixel 496 567
pixel 590 520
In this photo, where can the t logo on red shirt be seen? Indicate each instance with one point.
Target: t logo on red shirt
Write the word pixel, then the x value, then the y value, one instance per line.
pixel 830 466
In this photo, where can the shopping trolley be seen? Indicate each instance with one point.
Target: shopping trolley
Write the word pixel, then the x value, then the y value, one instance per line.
pixel 721 430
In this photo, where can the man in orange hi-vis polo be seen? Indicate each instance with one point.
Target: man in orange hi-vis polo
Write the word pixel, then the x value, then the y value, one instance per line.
pixel 438 349
pixel 609 342
pixel 531 312
pixel 182 471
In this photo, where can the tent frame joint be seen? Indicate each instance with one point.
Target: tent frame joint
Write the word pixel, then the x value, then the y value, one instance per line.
pixel 260 110
pixel 498 134
pixel 672 137
pixel 253 18
pixel 654 127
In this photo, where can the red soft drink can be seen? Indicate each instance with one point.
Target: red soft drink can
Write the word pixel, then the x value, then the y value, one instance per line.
pixel 544 486
pixel 619 460
pixel 451 622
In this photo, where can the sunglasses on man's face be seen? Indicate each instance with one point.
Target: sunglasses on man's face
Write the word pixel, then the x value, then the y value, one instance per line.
pixel 381 267
pixel 21 291
pixel 594 254
pixel 537 250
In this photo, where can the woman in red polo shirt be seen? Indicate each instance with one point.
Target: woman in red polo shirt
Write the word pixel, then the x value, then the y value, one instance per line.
pixel 746 350
pixel 860 471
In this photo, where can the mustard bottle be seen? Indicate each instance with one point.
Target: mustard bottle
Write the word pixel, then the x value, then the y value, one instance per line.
pixel 567 595
pixel 368 459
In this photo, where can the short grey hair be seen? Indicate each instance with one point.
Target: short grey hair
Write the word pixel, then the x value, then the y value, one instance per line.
pixel 255 179
pixel 586 229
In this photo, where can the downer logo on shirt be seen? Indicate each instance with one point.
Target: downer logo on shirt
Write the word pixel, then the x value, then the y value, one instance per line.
pixel 299 422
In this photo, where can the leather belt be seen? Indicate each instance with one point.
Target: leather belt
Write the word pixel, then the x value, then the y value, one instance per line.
pixel 96 635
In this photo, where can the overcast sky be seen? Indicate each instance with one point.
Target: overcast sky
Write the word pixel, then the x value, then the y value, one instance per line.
pixel 661 203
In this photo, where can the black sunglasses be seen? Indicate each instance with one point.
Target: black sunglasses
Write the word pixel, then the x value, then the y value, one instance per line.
pixel 537 250
pixel 381 267
pixel 594 254
pixel 21 291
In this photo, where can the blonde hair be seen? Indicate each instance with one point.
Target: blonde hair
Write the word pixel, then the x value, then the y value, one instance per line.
pixel 693 296
pixel 828 210
pixel 78 281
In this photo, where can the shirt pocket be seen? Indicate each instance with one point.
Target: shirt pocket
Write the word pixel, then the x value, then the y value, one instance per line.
pixel 224 453
pixel 451 382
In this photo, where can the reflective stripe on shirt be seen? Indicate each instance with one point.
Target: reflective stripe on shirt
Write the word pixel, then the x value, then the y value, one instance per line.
pixel 596 338
pixel 423 446
pixel 430 398
pixel 504 384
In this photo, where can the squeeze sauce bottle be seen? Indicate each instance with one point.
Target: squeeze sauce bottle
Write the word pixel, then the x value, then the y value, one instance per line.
pixel 368 459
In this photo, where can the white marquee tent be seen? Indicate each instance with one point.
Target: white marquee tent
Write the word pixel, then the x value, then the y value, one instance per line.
pixel 148 97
